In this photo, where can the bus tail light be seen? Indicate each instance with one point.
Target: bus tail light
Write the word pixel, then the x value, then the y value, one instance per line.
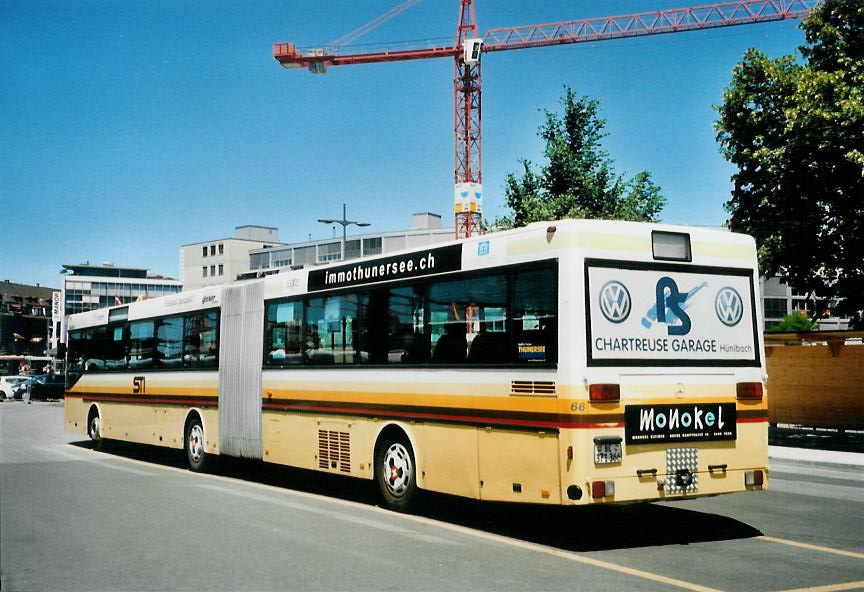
pixel 754 478
pixel 604 393
pixel 600 489
pixel 749 391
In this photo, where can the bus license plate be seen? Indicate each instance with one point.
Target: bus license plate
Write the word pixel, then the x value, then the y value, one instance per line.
pixel 607 453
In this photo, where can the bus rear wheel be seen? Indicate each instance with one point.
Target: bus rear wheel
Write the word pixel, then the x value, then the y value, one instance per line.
pixel 94 428
pixel 194 444
pixel 396 473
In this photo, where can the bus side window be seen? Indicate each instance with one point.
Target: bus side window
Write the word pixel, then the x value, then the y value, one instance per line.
pixel 87 349
pixel 407 342
pixel 469 321
pixel 113 347
pixel 331 327
pixel 142 345
pixel 283 345
pixel 371 332
pixel 77 345
pixel 169 342
pixel 200 340
pixel 447 322
pixel 535 316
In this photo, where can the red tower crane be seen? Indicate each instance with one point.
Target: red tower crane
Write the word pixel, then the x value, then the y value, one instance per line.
pixel 468 47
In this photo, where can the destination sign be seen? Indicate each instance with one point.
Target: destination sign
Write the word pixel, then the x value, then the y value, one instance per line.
pixel 385 269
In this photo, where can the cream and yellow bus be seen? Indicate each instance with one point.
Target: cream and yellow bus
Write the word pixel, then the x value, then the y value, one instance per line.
pixel 574 362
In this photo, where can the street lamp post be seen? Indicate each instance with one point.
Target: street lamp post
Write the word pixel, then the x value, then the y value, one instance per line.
pixel 345 224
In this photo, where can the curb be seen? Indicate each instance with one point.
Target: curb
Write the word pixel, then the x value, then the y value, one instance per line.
pixel 822 457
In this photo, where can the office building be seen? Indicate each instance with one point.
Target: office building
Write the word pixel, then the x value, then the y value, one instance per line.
pixel 220 261
pixel 88 287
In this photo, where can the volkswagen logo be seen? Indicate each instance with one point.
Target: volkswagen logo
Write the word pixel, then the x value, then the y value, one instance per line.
pixel 729 306
pixel 615 302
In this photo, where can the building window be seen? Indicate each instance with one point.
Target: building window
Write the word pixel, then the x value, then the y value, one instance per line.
pixel 204 251
pixel 221 249
pixel 259 261
pixel 352 249
pixel 775 308
pixel 329 252
pixel 212 249
pixel 304 255
pixel 372 246
pixel 204 271
pixel 801 305
pixel 212 270
pixel 221 269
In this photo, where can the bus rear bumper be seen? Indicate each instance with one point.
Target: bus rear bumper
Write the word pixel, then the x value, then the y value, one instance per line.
pixel 653 487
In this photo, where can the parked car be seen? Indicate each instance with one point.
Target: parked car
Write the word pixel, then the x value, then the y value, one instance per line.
pixel 47 386
pixel 9 386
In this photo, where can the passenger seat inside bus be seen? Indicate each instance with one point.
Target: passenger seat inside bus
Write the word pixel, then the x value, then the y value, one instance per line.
pixel 491 348
pixel 450 348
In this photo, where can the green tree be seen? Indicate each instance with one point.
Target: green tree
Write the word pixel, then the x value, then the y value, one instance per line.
pixel 795 322
pixel 579 180
pixel 795 131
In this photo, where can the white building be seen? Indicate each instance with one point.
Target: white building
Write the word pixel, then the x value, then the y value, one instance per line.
pixel 779 300
pixel 220 261
pixel 425 230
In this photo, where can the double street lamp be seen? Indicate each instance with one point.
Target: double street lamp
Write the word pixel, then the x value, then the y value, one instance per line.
pixel 345 224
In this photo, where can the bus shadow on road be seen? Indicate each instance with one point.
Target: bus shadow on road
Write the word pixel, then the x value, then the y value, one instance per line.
pixel 589 528
pixel 578 529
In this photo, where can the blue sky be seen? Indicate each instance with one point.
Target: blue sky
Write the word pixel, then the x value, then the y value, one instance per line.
pixel 131 128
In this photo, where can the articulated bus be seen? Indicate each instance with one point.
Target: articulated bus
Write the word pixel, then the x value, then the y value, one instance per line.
pixel 573 362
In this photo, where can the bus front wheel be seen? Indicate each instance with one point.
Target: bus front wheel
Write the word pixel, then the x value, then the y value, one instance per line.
pixel 396 473
pixel 194 439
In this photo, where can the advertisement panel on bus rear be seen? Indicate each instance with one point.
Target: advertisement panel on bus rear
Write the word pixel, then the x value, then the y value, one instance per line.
pixel 643 314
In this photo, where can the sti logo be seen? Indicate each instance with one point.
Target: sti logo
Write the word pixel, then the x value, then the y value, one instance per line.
pixel 615 302
pixel 729 306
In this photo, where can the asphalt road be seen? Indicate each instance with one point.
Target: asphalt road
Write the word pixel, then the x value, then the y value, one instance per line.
pixel 132 518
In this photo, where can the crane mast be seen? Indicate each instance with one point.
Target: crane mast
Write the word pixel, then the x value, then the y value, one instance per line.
pixel 468 47
pixel 468 176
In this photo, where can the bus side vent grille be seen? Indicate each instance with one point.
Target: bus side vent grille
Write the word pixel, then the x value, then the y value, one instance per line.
pixel 533 387
pixel 334 451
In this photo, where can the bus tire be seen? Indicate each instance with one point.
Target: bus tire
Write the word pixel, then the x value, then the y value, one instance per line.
pixel 94 428
pixel 194 444
pixel 396 472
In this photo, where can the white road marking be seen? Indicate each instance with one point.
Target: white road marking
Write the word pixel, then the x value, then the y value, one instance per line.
pixel 331 514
